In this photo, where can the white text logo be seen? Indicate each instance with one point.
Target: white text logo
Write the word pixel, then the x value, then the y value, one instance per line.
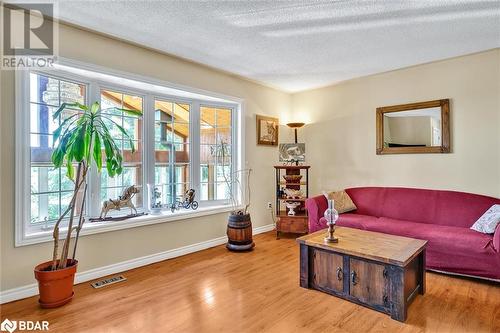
pixel 24 325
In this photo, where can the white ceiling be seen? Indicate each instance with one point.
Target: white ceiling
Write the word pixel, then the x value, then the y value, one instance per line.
pixel 298 45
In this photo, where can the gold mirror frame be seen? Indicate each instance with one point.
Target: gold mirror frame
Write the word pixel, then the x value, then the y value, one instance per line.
pixel 445 128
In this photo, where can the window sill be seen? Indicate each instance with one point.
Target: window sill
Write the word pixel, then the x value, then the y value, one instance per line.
pixel 91 228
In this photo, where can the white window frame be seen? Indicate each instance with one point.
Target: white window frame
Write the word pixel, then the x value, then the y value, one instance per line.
pixel 94 85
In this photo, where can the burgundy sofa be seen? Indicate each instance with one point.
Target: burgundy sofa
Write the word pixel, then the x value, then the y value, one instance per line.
pixel 443 218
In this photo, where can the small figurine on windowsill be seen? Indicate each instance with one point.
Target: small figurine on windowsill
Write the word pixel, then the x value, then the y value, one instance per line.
pixel 124 200
pixel 187 201
pixel 156 205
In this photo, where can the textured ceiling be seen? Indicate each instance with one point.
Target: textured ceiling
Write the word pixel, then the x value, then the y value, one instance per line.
pixel 298 45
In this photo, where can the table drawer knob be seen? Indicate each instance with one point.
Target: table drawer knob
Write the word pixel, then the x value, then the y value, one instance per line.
pixel 339 273
pixel 354 277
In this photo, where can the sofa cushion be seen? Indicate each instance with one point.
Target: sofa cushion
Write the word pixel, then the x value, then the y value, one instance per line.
pixel 488 222
pixel 461 209
pixel 350 220
pixel 446 238
pixel 341 200
pixel 368 200
pixel 409 204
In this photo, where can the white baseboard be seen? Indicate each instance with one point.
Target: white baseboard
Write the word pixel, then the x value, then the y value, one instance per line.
pixel 29 290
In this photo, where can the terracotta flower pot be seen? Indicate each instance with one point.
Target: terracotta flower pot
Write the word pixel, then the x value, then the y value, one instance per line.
pixel 55 287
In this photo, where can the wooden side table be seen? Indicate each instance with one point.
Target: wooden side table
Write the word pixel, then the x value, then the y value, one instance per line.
pixel 298 223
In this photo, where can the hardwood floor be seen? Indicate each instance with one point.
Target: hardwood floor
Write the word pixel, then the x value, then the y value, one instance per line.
pixel 220 291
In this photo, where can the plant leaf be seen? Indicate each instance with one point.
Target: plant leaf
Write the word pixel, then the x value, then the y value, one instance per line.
pixel 126 136
pixel 97 152
pixel 87 143
pixel 94 108
pixel 78 147
pixel 58 130
pixel 127 111
pixel 70 171
pixel 69 105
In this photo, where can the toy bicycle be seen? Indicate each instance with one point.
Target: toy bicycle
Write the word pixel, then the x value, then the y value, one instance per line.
pixel 187 202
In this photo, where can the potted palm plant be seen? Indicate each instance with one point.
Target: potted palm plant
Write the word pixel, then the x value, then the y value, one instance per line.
pixel 79 140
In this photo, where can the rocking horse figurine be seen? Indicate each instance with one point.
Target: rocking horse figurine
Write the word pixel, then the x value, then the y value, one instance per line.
pixel 124 200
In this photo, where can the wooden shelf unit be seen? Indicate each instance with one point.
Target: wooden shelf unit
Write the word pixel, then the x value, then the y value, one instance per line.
pixel 297 224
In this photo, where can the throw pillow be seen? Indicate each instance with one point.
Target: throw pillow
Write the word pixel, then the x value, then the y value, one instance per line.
pixel 488 222
pixel 341 200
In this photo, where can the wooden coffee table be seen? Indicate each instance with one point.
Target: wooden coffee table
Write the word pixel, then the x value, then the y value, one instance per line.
pixel 380 271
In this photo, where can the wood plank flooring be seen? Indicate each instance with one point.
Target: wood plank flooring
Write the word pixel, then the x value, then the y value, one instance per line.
pixel 220 291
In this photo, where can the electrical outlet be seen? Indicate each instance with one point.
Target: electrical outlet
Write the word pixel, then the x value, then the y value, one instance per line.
pixel 269 205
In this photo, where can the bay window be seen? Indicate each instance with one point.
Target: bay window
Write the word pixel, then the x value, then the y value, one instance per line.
pixel 181 142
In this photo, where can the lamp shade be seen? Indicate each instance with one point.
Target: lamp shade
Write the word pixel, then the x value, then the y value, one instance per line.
pixel 295 125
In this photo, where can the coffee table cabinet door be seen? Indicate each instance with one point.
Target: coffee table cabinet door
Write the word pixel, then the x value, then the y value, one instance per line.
pixel 328 270
pixel 368 283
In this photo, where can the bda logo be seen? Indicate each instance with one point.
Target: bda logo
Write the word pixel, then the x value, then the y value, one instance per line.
pixel 8 325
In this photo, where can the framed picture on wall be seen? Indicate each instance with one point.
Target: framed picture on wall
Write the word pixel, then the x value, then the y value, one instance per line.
pixel 267 130
pixel 292 152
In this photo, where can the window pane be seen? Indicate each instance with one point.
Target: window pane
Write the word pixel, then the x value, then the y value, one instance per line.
pixel 207 117
pixel 222 191
pixel 204 173
pixel 181 113
pixel 223 117
pixel 223 173
pixel 207 135
pixel 164 112
pixel 38 86
pixel 53 210
pixel 42 143
pixel 224 135
pixel 181 173
pixel 180 132
pixel 180 189
pixel 181 153
pixel 215 152
pixel 51 190
pixel 42 119
pixel 204 191
pixel 35 209
pixel 132 126
pixel 110 100
pixel 132 174
pixel 70 93
pixel 172 159
pixel 162 175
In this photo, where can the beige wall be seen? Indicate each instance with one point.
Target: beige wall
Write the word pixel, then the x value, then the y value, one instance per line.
pixel 112 247
pixel 340 139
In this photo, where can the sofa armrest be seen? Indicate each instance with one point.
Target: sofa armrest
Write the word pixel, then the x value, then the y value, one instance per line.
pixel 496 239
pixel 316 207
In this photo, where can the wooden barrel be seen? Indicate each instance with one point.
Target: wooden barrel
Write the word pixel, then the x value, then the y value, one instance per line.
pixel 239 233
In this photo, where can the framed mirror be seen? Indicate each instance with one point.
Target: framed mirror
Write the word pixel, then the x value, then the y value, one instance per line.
pixel 414 128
